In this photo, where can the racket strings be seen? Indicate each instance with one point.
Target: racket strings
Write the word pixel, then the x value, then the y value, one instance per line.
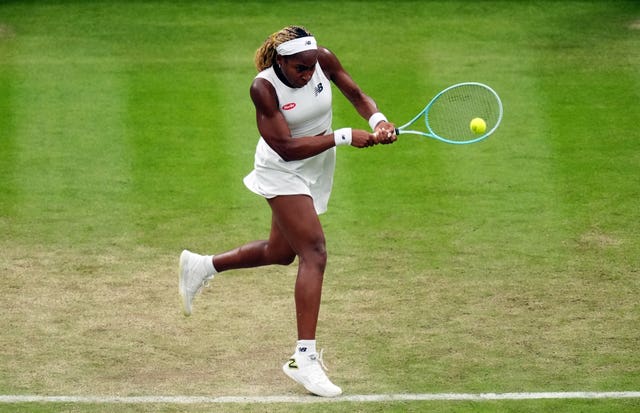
pixel 450 114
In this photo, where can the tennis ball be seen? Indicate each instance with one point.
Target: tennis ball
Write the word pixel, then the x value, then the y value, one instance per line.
pixel 478 126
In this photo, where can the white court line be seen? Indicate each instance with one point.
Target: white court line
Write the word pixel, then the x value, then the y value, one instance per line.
pixel 313 399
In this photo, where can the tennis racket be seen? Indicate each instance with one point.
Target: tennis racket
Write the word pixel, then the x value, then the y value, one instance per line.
pixel 448 117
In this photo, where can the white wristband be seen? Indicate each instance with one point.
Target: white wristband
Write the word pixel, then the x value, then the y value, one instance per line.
pixel 342 136
pixel 375 119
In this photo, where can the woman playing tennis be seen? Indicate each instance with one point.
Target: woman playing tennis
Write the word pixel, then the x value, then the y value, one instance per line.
pixel 293 169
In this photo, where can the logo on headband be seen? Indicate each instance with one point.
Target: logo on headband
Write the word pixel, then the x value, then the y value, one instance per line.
pixel 297 45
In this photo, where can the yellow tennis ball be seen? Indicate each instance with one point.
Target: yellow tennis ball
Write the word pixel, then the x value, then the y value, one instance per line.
pixel 478 126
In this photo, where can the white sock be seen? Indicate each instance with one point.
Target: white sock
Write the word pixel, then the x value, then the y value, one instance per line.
pixel 306 347
pixel 208 264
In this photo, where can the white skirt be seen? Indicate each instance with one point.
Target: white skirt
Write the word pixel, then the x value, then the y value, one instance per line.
pixel 272 176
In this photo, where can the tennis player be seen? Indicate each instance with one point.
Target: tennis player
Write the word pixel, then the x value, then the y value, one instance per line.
pixel 294 167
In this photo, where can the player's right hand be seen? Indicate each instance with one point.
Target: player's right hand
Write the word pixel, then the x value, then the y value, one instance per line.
pixel 362 138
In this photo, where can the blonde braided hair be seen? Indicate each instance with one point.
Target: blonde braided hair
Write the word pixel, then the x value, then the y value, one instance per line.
pixel 266 54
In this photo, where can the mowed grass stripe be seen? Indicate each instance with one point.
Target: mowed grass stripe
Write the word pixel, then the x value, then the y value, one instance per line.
pixel 71 156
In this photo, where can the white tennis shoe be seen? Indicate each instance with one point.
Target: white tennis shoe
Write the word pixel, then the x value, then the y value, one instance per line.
pixel 192 277
pixel 308 370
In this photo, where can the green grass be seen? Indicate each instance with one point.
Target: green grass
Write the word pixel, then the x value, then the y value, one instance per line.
pixel 505 266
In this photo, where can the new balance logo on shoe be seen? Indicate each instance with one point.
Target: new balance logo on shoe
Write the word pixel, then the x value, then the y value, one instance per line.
pixel 292 363
pixel 302 349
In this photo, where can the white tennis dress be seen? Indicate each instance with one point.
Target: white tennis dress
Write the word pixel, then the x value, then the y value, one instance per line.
pixel 307 111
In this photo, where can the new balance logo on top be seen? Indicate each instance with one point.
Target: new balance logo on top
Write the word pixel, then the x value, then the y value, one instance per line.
pixel 302 349
pixel 318 89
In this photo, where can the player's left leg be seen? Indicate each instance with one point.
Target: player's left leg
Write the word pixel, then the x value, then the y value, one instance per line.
pixel 196 270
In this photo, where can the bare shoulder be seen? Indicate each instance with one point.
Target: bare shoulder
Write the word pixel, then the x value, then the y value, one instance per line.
pixel 263 94
pixel 328 61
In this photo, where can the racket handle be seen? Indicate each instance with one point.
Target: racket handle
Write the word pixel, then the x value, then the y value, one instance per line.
pixel 397 131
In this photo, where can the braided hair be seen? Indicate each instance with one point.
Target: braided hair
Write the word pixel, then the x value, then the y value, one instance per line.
pixel 266 54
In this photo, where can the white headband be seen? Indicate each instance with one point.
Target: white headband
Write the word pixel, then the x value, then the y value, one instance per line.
pixel 298 45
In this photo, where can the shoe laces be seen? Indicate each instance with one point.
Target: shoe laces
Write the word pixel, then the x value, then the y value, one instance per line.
pixel 316 372
pixel 207 278
pixel 320 360
pixel 206 281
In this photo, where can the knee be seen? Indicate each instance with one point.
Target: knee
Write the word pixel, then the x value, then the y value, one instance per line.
pixel 316 253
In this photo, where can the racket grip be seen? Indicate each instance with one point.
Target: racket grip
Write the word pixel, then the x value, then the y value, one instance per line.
pixel 397 131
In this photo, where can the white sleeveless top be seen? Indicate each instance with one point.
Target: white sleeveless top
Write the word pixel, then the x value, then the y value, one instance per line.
pixel 308 112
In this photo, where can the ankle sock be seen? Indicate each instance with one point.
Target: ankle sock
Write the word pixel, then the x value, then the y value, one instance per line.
pixel 208 264
pixel 306 347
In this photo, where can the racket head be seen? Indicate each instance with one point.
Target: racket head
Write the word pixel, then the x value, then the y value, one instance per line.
pixel 449 114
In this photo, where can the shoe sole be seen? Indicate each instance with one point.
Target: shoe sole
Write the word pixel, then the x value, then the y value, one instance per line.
pixel 186 308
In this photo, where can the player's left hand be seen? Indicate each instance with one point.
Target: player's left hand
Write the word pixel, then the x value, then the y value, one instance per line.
pixel 385 133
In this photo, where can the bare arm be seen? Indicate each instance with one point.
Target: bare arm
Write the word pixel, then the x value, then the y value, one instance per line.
pixel 364 104
pixel 275 131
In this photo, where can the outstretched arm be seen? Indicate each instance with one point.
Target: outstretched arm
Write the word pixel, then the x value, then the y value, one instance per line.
pixel 364 104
